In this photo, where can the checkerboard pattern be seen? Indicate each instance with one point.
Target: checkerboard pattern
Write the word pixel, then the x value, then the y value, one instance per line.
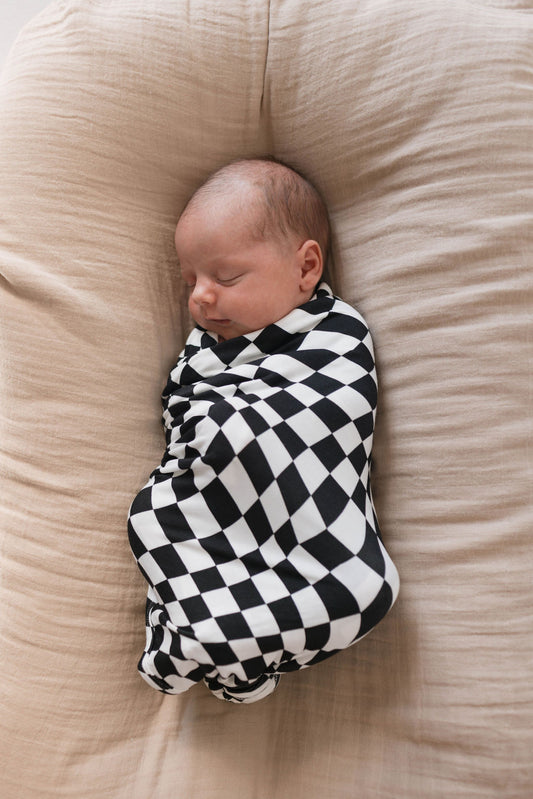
pixel 257 534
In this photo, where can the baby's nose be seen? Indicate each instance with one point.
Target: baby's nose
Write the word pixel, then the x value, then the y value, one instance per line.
pixel 203 292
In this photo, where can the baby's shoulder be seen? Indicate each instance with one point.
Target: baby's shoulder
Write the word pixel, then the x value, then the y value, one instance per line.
pixel 345 319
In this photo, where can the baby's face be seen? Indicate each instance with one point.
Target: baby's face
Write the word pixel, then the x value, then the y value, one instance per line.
pixel 238 283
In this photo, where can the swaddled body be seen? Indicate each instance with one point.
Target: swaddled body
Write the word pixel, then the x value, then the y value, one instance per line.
pixel 257 533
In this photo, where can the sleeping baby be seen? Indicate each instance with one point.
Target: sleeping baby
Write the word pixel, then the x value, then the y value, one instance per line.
pixel 257 534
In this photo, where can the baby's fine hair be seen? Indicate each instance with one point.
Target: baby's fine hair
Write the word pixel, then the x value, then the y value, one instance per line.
pixel 290 203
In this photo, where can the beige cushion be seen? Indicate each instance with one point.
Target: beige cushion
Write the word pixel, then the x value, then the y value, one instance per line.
pixel 415 120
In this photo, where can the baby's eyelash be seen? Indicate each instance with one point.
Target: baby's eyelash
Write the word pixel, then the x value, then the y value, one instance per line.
pixel 189 284
pixel 226 280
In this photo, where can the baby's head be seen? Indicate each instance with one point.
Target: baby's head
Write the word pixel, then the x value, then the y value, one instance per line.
pixel 252 244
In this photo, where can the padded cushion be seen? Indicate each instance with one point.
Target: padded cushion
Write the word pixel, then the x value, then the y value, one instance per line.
pixel 414 119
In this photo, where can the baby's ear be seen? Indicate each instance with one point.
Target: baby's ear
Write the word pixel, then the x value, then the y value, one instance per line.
pixel 311 264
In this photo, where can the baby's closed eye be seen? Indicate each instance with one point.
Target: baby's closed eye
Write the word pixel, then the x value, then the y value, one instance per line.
pixel 228 281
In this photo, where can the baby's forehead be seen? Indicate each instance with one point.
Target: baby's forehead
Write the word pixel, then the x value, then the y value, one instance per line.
pixel 230 194
pixel 222 225
pixel 243 203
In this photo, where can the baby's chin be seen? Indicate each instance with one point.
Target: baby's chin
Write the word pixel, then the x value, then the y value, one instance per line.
pixel 224 330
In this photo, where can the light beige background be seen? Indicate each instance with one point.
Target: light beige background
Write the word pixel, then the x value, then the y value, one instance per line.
pixel 415 120
pixel 14 14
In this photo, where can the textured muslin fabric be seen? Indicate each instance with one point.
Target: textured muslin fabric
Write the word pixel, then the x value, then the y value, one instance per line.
pixel 414 119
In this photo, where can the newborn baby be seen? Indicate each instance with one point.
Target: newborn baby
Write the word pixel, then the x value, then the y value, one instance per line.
pixel 257 534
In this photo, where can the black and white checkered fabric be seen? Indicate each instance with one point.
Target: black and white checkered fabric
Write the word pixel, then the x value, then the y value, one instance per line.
pixel 257 534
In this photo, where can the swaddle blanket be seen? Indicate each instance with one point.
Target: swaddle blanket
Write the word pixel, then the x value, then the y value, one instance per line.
pixel 257 533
